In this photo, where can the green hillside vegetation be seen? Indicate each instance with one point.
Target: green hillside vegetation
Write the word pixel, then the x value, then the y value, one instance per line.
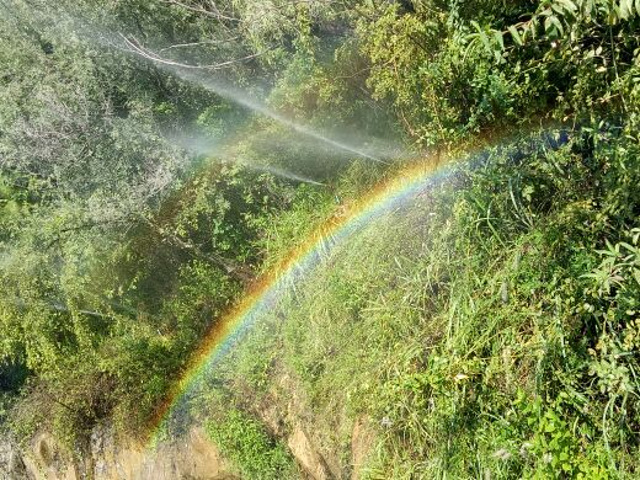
pixel 489 331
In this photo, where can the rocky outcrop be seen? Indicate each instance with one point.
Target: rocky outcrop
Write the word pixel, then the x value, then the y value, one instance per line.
pixel 192 457
pixel 362 443
pixel 12 466
pixel 289 417
pixel 106 457
pixel 307 456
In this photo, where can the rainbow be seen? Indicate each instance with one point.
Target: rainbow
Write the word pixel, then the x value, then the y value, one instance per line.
pixel 231 327
pixel 407 184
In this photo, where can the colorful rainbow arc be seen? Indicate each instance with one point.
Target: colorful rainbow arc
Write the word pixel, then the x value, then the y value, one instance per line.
pixel 407 184
pixel 388 196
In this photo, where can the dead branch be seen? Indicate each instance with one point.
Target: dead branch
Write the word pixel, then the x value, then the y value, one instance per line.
pixel 198 44
pixel 136 47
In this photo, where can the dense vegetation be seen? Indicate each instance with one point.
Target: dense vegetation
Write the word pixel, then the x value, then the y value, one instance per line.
pixel 502 341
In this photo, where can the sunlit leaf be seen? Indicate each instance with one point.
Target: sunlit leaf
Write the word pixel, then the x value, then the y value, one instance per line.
pixel 515 35
pixel 568 5
pixel 551 22
pixel 626 9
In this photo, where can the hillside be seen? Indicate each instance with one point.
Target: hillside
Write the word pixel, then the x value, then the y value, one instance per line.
pixel 320 240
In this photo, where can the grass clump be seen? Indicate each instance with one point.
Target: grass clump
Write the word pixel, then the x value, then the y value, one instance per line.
pixel 245 442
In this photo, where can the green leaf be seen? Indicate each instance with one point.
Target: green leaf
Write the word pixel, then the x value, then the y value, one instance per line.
pixel 553 21
pixel 485 41
pixel 476 25
pixel 516 35
pixel 568 6
pixel 626 9
pixel 499 39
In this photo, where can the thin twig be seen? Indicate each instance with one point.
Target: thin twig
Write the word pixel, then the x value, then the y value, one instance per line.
pixel 135 47
pixel 198 44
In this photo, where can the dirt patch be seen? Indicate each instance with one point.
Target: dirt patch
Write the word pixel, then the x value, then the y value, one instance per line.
pixel 362 442
pixel 307 456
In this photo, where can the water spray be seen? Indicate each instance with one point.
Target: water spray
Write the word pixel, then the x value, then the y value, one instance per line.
pixel 193 74
pixel 285 174
pixel 209 149
pixel 189 73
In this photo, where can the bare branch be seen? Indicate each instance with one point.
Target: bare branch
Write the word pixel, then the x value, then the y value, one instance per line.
pixel 198 44
pixel 135 47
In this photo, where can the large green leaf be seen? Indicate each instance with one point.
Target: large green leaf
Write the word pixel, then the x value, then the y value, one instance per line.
pixel 515 35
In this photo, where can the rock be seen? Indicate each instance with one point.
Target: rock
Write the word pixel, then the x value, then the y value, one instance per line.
pixel 194 457
pixel 12 466
pixel 362 442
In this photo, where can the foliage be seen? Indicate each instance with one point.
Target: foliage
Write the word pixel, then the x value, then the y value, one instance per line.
pixel 492 329
pixel 244 441
pixel 517 376
pixel 495 338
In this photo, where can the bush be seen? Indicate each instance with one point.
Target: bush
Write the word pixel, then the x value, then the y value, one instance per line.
pixel 244 441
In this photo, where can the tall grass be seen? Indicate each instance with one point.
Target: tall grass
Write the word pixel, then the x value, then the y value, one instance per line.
pixel 485 332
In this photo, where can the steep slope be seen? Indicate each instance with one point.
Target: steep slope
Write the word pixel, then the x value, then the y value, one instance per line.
pixel 486 330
